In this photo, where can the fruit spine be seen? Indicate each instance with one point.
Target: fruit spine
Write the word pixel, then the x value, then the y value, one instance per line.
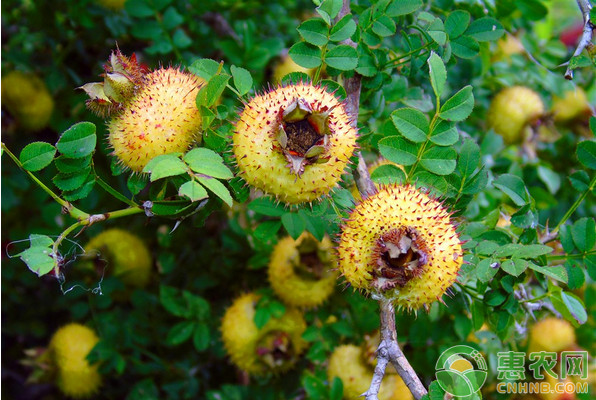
pixel 273 348
pixel 300 270
pixel 400 244
pixel 294 142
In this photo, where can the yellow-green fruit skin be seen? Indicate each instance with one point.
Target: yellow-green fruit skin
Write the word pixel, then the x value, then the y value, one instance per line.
pixel 347 363
pixel 287 66
pixel 162 118
pixel 511 110
pixel 68 349
pixel 127 255
pixel 241 336
pixel 396 207
pixel 264 166
pixel 289 286
pixel 551 334
pixel 573 104
pixel 27 97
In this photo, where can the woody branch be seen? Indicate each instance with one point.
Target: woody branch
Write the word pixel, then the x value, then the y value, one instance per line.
pixel 587 33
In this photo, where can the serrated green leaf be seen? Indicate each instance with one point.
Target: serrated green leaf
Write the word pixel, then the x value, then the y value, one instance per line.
pixel 211 92
pixel 476 183
pixel 36 240
pixel 456 23
pixel 267 206
pixel 343 29
pixel 294 224
pixel 305 54
pixel 172 300
pixel 342 57
pixel 70 165
pixel 513 187
pixel 485 271
pixel 437 72
pixel 411 123
pixel 583 232
pixel 485 29
pixel 147 29
pixel 82 191
pixel 181 39
pixel 444 134
pixel 384 26
pixel 439 160
pixel 72 181
pixel 551 179
pixel 459 106
pixel 402 7
pixel 556 272
pixel 314 31
pixel 171 18
pixel 204 68
pixel 138 8
pixel 267 231
pixel 469 157
pixel 193 190
pixel 207 162
pixel 586 153
pixel 218 189
pixel 465 47
pixel 37 155
pixel 580 180
pixel 180 333
pixel 436 30
pixel 78 141
pixel 201 336
pixel 164 166
pixel 389 173
pixel 398 150
pixel 329 9
pixel 242 79
pixel 38 259
pixel 334 88
pixel 570 306
pixel 336 391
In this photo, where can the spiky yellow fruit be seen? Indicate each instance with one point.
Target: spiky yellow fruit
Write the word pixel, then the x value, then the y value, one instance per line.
pixel 512 110
pixel 28 99
pixel 123 255
pixel 551 334
pixel 294 142
pixel 162 118
pixel 572 105
pixel 274 348
pixel 286 66
pixel 347 363
pixel 401 245
pixel 68 351
pixel 300 271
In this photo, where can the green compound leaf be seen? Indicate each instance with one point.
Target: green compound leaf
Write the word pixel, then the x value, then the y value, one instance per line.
pixel 459 106
pixel 82 191
pixel 314 31
pixel 78 141
pixel 342 57
pixel 398 150
pixel 485 29
pixel 456 23
pixel 205 161
pixel 438 73
pixel 444 134
pixel 242 79
pixel 411 123
pixel 586 153
pixel 267 206
pixel 218 189
pixel 72 181
pixel 180 333
pixel 204 68
pixel 384 26
pixel 513 187
pixel 344 29
pixel 71 165
pixel 329 9
pixel 402 7
pixel 193 190
pixel 201 336
pixel 305 54
pixel 583 232
pixel 165 165
pixel 37 155
pixel 436 30
pixel 439 160
pixel 294 224
pixel 465 47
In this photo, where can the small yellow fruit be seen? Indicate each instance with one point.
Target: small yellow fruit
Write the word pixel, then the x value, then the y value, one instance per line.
pixel 551 334
pixel 162 118
pixel 294 142
pixel 347 363
pixel 274 348
pixel 401 245
pixel 512 110
pixel 573 104
pixel 28 99
pixel 286 66
pixel 507 46
pixel 68 350
pixel 300 271
pixel 127 256
pixel 115 5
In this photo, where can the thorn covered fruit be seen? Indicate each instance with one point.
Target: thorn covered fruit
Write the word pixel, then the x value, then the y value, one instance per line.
pixel 123 255
pixel 272 349
pixel 512 110
pixel 68 352
pixel 300 271
pixel 348 363
pixel 294 142
pixel 161 118
pixel 28 99
pixel 551 334
pixel 572 105
pixel 400 244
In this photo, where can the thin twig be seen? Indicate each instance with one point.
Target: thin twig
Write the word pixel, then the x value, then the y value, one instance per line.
pixel 388 350
pixel 220 25
pixel 587 34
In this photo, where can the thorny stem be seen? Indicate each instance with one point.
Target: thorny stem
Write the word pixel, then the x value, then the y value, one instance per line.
pixel 389 350
pixel 68 207
pixel 575 205
pixel 587 34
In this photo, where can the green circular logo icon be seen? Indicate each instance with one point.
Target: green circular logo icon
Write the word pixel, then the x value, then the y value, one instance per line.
pixel 461 371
